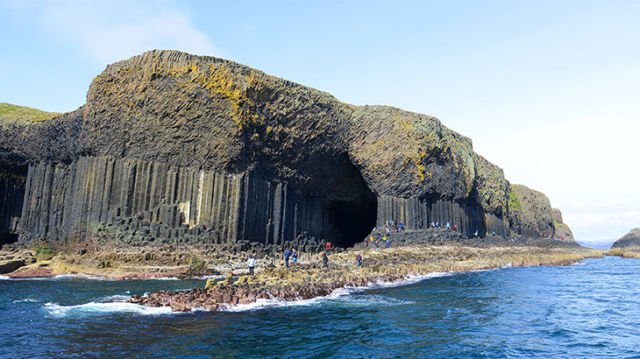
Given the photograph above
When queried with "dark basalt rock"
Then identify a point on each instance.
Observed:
(176, 148)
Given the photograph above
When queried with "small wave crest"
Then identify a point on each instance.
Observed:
(97, 308)
(26, 300)
(340, 295)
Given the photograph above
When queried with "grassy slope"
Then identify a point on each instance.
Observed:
(14, 113)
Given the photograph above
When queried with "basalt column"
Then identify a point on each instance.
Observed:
(417, 213)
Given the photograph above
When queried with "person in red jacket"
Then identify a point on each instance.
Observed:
(327, 246)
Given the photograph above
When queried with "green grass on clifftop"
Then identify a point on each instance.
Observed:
(14, 113)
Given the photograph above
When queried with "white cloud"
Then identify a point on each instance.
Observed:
(107, 31)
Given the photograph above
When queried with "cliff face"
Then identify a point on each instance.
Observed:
(172, 147)
(531, 215)
(631, 239)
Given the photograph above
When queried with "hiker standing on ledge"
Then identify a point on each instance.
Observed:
(325, 260)
(287, 255)
(327, 247)
(251, 263)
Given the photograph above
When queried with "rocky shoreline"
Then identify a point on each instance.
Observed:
(413, 253)
(391, 265)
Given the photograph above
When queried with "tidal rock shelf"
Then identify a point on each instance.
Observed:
(393, 265)
(173, 148)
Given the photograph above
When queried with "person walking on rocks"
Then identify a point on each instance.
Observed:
(327, 246)
(287, 256)
(251, 263)
(294, 258)
(325, 260)
(359, 260)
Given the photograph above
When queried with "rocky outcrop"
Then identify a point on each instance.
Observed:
(172, 147)
(562, 230)
(631, 239)
(531, 215)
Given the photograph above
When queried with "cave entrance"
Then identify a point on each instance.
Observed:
(8, 238)
(352, 221)
(12, 188)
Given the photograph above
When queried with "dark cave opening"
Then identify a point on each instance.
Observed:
(12, 188)
(352, 221)
(8, 238)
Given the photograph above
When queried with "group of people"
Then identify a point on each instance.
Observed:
(376, 238)
(290, 255)
(291, 258)
(453, 227)
(397, 226)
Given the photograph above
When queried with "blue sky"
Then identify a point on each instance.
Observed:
(548, 90)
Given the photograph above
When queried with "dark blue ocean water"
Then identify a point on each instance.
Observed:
(588, 310)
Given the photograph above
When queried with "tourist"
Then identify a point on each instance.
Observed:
(387, 243)
(475, 234)
(454, 227)
(327, 246)
(294, 258)
(251, 263)
(287, 255)
(401, 226)
(325, 260)
(433, 225)
(359, 260)
(448, 225)
(437, 224)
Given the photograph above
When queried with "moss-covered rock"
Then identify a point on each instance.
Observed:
(530, 212)
(405, 154)
(170, 112)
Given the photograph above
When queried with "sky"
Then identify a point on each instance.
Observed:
(548, 90)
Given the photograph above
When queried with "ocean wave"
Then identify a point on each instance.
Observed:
(4, 277)
(342, 295)
(161, 278)
(26, 300)
(81, 276)
(99, 308)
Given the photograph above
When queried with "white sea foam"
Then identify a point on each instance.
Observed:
(4, 277)
(26, 300)
(80, 276)
(163, 278)
(95, 308)
(340, 295)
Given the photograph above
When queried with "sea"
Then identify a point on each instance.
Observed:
(587, 310)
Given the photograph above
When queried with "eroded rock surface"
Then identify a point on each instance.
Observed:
(631, 239)
(176, 148)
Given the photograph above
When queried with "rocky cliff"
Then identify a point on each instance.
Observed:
(172, 147)
(631, 239)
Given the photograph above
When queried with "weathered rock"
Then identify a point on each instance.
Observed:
(183, 149)
(8, 266)
(530, 212)
(562, 230)
(631, 239)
